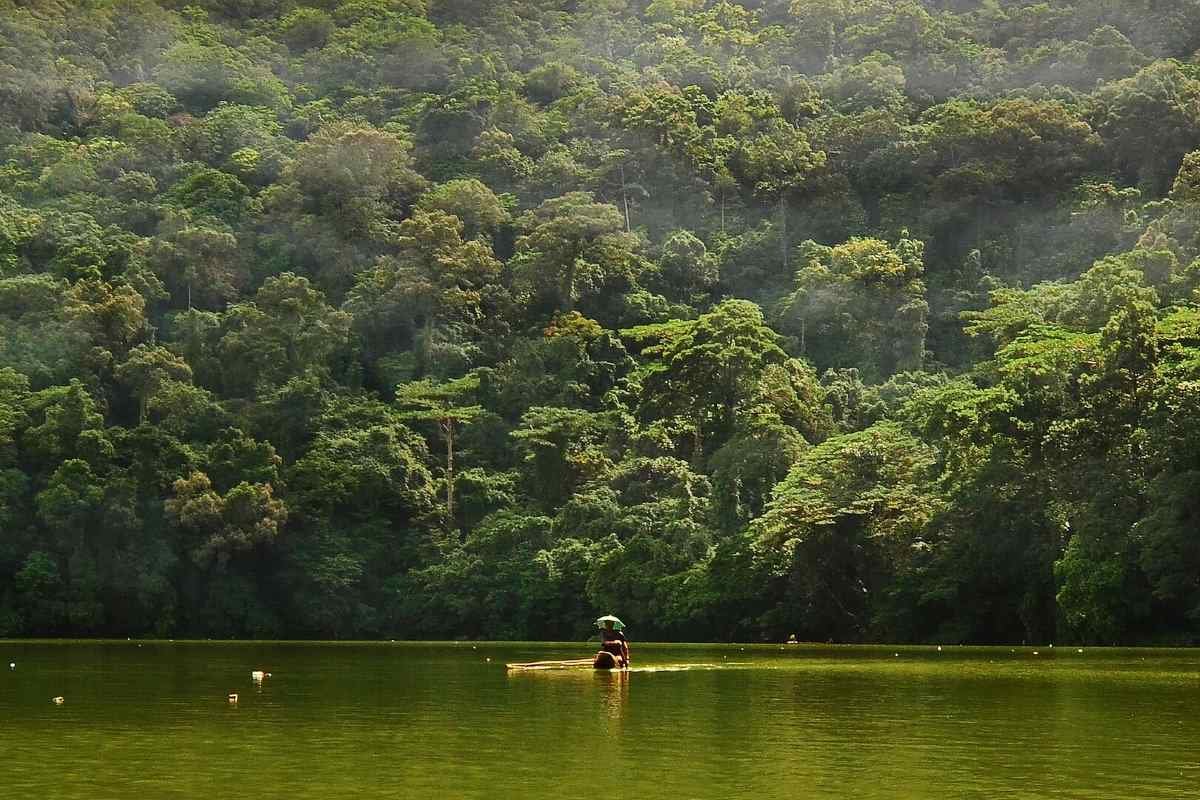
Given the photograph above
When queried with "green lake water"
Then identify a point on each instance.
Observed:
(151, 720)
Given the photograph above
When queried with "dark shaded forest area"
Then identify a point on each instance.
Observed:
(858, 320)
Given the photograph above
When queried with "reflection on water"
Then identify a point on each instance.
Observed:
(395, 720)
(615, 693)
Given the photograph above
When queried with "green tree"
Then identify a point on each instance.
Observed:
(709, 369)
(860, 303)
(145, 371)
(202, 74)
(1164, 92)
(447, 406)
(358, 175)
(570, 248)
(113, 317)
(685, 270)
(561, 448)
(840, 527)
(775, 165)
(471, 201)
(364, 499)
(18, 226)
(219, 527)
(436, 280)
(285, 331)
(198, 264)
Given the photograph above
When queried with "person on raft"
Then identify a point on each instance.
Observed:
(613, 641)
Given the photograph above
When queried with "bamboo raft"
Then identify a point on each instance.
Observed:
(573, 663)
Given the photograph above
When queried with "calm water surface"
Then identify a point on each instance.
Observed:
(151, 720)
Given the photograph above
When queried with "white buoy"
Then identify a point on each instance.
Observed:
(258, 675)
(939, 648)
(1080, 650)
(58, 701)
(12, 665)
(233, 698)
(1035, 652)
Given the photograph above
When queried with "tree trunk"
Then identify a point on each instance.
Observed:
(448, 433)
(427, 344)
(625, 200)
(784, 244)
(874, 213)
(566, 300)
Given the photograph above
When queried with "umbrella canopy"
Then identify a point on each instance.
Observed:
(617, 624)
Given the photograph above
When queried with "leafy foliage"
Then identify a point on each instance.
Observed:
(854, 320)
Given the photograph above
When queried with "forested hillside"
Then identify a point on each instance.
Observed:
(854, 319)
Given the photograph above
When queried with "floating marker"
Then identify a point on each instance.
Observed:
(233, 697)
(58, 701)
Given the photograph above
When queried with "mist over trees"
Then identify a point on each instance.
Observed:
(434, 318)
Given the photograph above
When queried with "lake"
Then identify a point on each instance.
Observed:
(406, 720)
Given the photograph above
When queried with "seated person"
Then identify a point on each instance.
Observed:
(613, 641)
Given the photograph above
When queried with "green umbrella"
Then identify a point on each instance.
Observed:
(610, 618)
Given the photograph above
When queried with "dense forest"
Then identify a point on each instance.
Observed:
(854, 319)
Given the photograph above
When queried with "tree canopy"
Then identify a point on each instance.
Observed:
(850, 320)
